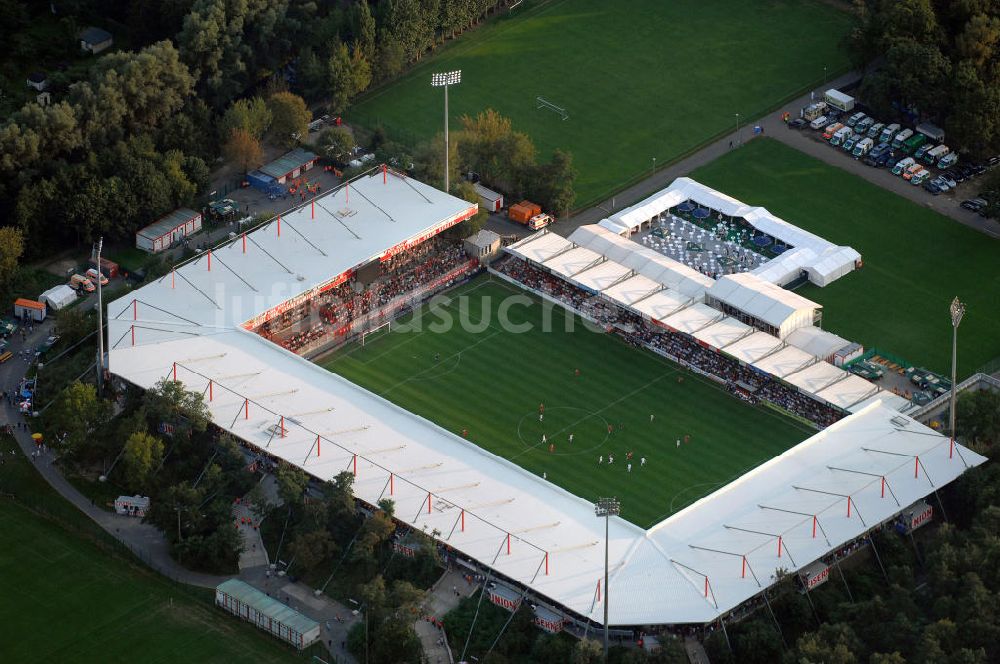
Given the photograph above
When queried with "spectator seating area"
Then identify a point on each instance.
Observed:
(747, 383)
(330, 316)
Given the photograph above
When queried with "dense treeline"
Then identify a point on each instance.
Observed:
(939, 59)
(134, 138)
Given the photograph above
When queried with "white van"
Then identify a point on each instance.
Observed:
(855, 119)
(841, 135)
(819, 122)
(862, 148)
(901, 138)
(888, 133)
(875, 130)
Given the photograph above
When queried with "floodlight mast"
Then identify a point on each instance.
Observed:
(957, 310)
(443, 80)
(606, 507)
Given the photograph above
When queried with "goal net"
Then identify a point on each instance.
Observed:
(386, 327)
(542, 102)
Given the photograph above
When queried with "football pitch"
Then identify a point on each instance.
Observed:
(915, 260)
(479, 375)
(639, 80)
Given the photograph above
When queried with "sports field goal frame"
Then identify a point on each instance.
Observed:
(542, 102)
(364, 335)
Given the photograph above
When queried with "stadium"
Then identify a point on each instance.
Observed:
(238, 322)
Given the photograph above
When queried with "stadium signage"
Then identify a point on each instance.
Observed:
(288, 305)
(428, 234)
(921, 518)
(502, 600)
(551, 626)
(818, 579)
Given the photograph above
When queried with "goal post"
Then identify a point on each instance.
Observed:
(387, 326)
(542, 102)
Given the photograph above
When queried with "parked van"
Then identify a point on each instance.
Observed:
(855, 119)
(832, 129)
(851, 141)
(863, 147)
(819, 122)
(863, 126)
(935, 155)
(93, 275)
(813, 111)
(888, 133)
(948, 161)
(875, 130)
(841, 135)
(902, 165)
(913, 143)
(922, 150)
(912, 170)
(901, 138)
(920, 176)
(79, 282)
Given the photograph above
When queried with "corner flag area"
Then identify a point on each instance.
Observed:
(455, 364)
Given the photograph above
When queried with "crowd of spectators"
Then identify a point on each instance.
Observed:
(331, 313)
(744, 381)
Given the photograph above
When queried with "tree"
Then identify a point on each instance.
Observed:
(254, 116)
(336, 143)
(552, 185)
(168, 401)
(11, 248)
(588, 651)
(76, 414)
(977, 418)
(365, 30)
(467, 191)
(243, 150)
(391, 56)
(311, 549)
(503, 157)
(348, 74)
(292, 483)
(290, 118)
(142, 455)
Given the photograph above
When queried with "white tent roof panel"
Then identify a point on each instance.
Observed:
(787, 360)
(540, 247)
(761, 299)
(662, 304)
(633, 289)
(816, 341)
(693, 318)
(725, 332)
(602, 276)
(817, 377)
(572, 262)
(750, 349)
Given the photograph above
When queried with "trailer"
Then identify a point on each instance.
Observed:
(839, 100)
(489, 199)
(163, 233)
(25, 309)
(931, 131)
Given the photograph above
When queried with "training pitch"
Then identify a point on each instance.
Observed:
(638, 80)
(915, 260)
(490, 381)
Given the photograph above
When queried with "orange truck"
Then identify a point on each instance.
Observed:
(526, 213)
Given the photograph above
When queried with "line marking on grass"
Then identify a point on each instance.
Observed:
(416, 375)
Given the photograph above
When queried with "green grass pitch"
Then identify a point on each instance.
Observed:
(68, 597)
(915, 260)
(491, 381)
(639, 79)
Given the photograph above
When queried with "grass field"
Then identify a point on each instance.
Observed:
(71, 594)
(639, 80)
(916, 260)
(491, 381)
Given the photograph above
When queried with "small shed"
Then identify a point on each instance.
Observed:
(246, 602)
(290, 165)
(489, 199)
(38, 80)
(163, 232)
(934, 133)
(25, 309)
(58, 297)
(94, 40)
(132, 505)
(484, 245)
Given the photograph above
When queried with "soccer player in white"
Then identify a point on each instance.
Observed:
(544, 440)
(600, 460)
(571, 438)
(611, 459)
(642, 461)
(651, 416)
(629, 468)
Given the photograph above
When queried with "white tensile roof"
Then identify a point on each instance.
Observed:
(823, 260)
(633, 289)
(658, 576)
(816, 341)
(751, 348)
(786, 361)
(723, 333)
(696, 317)
(761, 299)
(541, 246)
(189, 326)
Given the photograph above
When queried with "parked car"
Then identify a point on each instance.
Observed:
(940, 182)
(850, 142)
(863, 147)
(855, 119)
(974, 204)
(797, 123)
(885, 159)
(833, 129)
(948, 161)
(901, 138)
(819, 122)
(978, 168)
(912, 170)
(993, 161)
(933, 187)
(889, 133)
(920, 176)
(922, 150)
(902, 165)
(93, 275)
(78, 282)
(841, 135)
(863, 126)
(875, 130)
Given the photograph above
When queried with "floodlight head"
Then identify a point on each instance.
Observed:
(957, 311)
(446, 78)
(607, 507)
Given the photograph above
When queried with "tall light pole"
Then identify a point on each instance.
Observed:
(443, 80)
(100, 322)
(606, 507)
(957, 311)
